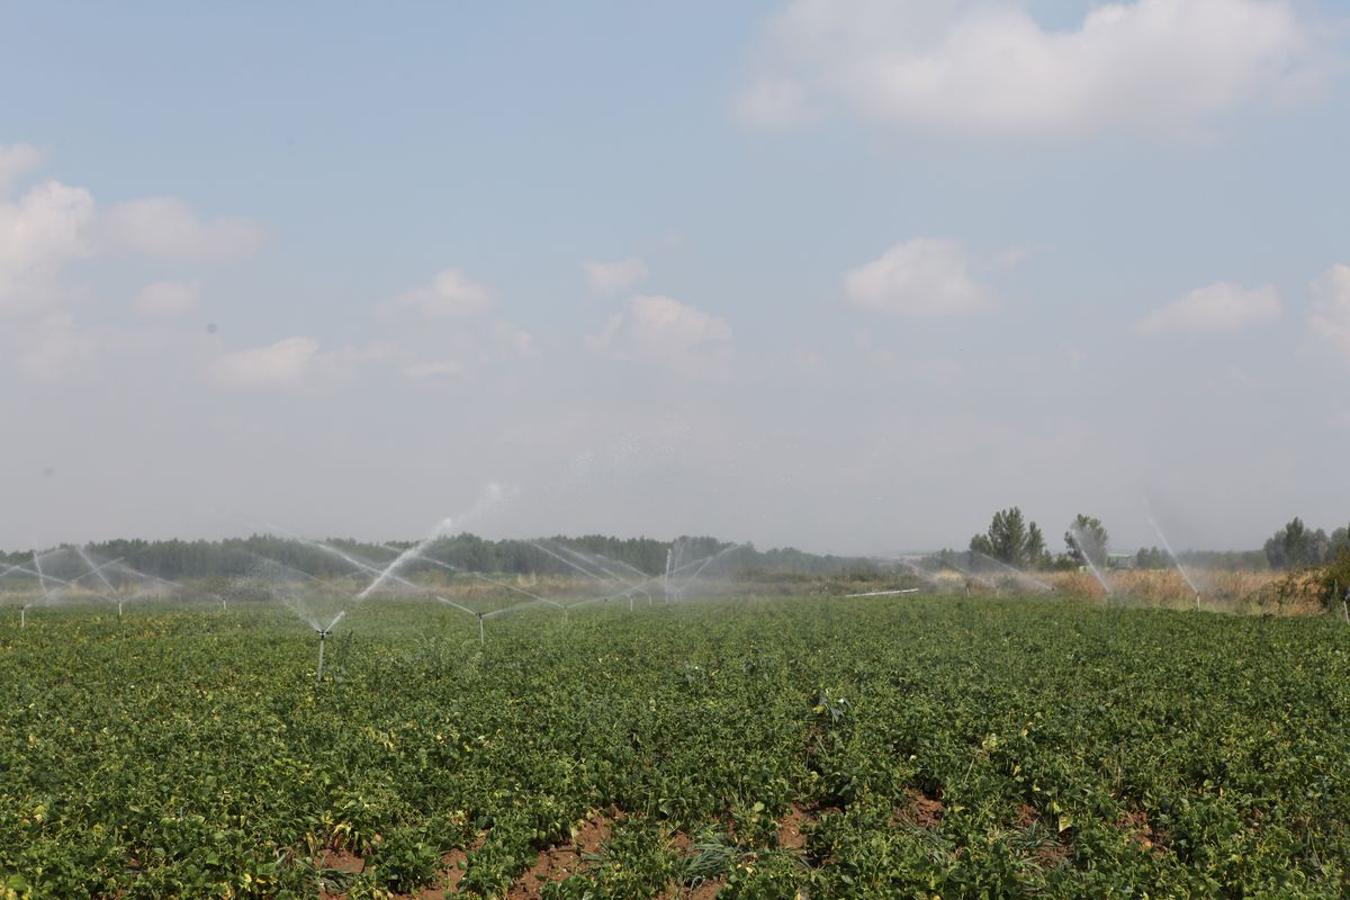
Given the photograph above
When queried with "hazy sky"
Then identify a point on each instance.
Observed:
(843, 274)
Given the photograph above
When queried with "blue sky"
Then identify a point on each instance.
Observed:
(843, 275)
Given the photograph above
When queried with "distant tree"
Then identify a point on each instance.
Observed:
(1295, 546)
(1010, 539)
(1087, 540)
(1038, 557)
(1151, 558)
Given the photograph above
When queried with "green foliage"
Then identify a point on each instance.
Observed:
(1087, 540)
(1294, 546)
(1334, 583)
(927, 747)
(1011, 540)
(237, 557)
(1152, 558)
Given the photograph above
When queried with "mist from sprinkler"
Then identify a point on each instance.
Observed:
(1176, 561)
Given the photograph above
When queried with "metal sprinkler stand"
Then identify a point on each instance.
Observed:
(323, 639)
(481, 639)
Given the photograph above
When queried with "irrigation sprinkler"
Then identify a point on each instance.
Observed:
(481, 577)
(482, 640)
(323, 639)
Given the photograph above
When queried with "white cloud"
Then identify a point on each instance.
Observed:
(445, 368)
(922, 277)
(54, 349)
(613, 277)
(515, 341)
(1217, 308)
(665, 331)
(285, 365)
(986, 68)
(167, 298)
(39, 233)
(294, 364)
(166, 227)
(1331, 313)
(15, 160)
(450, 295)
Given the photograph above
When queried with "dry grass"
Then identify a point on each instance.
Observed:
(1240, 592)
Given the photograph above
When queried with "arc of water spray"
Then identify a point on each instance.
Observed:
(405, 556)
(701, 565)
(1087, 557)
(599, 560)
(1016, 573)
(969, 573)
(481, 577)
(97, 570)
(582, 570)
(385, 573)
(1176, 561)
(909, 564)
(42, 579)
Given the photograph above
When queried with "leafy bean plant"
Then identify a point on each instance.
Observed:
(762, 748)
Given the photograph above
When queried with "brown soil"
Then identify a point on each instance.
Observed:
(1027, 816)
(684, 846)
(1052, 854)
(1141, 830)
(562, 860)
(790, 830)
(342, 861)
(705, 891)
(923, 810)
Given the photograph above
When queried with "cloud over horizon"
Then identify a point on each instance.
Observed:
(924, 277)
(1215, 309)
(451, 294)
(658, 329)
(167, 228)
(1154, 67)
(614, 277)
(1330, 318)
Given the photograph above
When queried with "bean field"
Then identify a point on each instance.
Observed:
(818, 747)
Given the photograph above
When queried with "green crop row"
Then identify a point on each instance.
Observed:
(917, 746)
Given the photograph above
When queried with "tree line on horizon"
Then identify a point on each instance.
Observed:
(1013, 540)
(176, 559)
